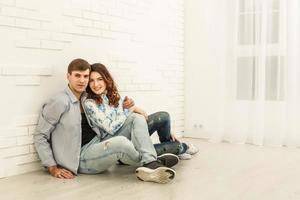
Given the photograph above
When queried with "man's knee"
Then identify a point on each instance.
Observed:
(165, 116)
(161, 117)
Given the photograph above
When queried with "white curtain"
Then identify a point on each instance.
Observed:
(260, 74)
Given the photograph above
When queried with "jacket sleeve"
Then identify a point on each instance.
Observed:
(102, 119)
(126, 111)
(49, 117)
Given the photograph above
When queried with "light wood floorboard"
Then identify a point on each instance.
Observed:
(219, 171)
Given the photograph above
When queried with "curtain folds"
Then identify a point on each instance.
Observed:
(260, 74)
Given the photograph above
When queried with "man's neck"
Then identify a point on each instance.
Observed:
(77, 94)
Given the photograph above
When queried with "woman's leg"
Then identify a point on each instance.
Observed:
(97, 156)
(135, 129)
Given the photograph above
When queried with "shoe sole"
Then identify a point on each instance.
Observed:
(170, 154)
(158, 175)
(185, 157)
(192, 152)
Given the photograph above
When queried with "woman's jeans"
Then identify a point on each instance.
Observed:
(131, 145)
(160, 122)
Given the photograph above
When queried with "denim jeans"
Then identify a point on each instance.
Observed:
(135, 129)
(97, 156)
(131, 145)
(160, 122)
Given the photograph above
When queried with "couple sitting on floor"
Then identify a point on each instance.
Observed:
(88, 127)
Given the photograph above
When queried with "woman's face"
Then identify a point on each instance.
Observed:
(97, 83)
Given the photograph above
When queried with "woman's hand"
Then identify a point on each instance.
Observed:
(144, 114)
(128, 103)
(139, 111)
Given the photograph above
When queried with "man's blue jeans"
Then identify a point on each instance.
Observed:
(160, 122)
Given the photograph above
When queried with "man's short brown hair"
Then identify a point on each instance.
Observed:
(78, 65)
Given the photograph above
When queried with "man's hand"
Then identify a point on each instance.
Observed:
(174, 138)
(59, 172)
(128, 103)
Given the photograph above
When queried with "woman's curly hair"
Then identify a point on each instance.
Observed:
(111, 88)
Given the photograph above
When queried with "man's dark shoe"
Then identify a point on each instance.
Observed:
(121, 163)
(156, 172)
(168, 159)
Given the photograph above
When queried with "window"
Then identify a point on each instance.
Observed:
(260, 66)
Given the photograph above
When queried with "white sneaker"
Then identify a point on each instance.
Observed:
(192, 149)
(155, 172)
(184, 156)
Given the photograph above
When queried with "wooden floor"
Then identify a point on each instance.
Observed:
(219, 171)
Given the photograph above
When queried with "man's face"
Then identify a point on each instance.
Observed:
(78, 80)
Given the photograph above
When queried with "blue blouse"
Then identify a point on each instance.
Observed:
(106, 117)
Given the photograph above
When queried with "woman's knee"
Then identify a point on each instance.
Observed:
(119, 143)
(138, 118)
(116, 141)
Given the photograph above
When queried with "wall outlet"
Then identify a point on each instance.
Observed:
(197, 126)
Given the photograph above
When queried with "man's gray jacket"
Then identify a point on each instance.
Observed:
(57, 137)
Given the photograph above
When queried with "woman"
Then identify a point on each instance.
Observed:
(158, 122)
(103, 109)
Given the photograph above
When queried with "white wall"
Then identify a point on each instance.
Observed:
(205, 48)
(141, 41)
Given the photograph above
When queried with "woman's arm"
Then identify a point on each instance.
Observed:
(102, 118)
(139, 111)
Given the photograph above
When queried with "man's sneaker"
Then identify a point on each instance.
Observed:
(192, 149)
(121, 163)
(185, 156)
(155, 172)
(168, 159)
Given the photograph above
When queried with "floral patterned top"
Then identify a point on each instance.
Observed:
(106, 117)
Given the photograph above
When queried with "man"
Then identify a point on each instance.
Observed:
(59, 133)
(160, 122)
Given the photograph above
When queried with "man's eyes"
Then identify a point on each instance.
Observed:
(78, 76)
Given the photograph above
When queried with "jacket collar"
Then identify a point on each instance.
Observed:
(71, 94)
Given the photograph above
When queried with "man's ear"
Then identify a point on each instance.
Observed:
(68, 75)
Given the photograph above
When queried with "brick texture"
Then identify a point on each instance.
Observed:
(140, 41)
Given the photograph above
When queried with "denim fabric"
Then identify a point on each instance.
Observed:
(135, 129)
(167, 147)
(160, 122)
(57, 137)
(105, 116)
(96, 156)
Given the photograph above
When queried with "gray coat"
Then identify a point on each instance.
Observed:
(57, 137)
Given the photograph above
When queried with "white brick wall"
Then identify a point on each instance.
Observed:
(140, 41)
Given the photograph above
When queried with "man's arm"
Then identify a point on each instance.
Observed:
(49, 117)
